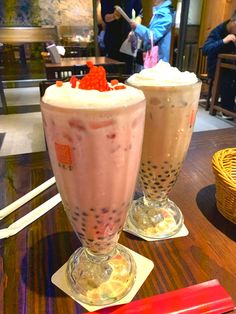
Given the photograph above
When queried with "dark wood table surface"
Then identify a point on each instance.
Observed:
(28, 259)
(224, 61)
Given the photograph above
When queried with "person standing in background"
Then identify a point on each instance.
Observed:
(222, 39)
(101, 30)
(160, 25)
(117, 28)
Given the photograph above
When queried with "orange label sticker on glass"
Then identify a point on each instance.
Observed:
(192, 118)
(63, 153)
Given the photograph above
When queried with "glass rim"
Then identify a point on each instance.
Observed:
(198, 82)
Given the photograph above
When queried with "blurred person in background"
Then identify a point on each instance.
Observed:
(117, 28)
(160, 25)
(101, 30)
(222, 39)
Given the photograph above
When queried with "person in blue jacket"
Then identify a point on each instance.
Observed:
(117, 28)
(222, 39)
(160, 25)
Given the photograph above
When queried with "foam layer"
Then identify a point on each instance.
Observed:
(162, 74)
(68, 97)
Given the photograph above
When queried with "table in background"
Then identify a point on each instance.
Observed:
(224, 61)
(73, 66)
(28, 259)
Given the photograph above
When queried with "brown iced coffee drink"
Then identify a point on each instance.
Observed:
(172, 100)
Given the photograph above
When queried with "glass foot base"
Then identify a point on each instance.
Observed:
(101, 279)
(155, 221)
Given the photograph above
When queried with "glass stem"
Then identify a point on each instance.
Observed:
(155, 203)
(99, 258)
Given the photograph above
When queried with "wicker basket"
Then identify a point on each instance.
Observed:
(224, 168)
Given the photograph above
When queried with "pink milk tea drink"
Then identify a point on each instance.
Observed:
(94, 140)
(172, 101)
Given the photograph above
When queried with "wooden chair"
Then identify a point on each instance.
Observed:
(201, 72)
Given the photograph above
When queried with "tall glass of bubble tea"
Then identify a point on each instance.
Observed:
(172, 101)
(94, 132)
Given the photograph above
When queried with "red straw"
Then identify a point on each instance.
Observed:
(207, 297)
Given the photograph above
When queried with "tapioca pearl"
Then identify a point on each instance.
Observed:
(163, 180)
(127, 148)
(83, 229)
(110, 218)
(114, 211)
(111, 136)
(97, 216)
(117, 221)
(77, 213)
(84, 214)
(75, 218)
(99, 222)
(104, 210)
(83, 224)
(172, 106)
(100, 238)
(154, 166)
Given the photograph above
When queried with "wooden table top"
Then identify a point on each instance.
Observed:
(67, 62)
(28, 259)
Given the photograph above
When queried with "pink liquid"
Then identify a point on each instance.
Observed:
(95, 156)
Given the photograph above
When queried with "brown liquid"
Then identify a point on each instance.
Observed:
(170, 116)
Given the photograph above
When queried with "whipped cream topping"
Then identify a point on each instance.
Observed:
(68, 97)
(162, 74)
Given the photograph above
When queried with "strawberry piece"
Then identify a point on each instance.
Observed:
(120, 87)
(114, 82)
(59, 83)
